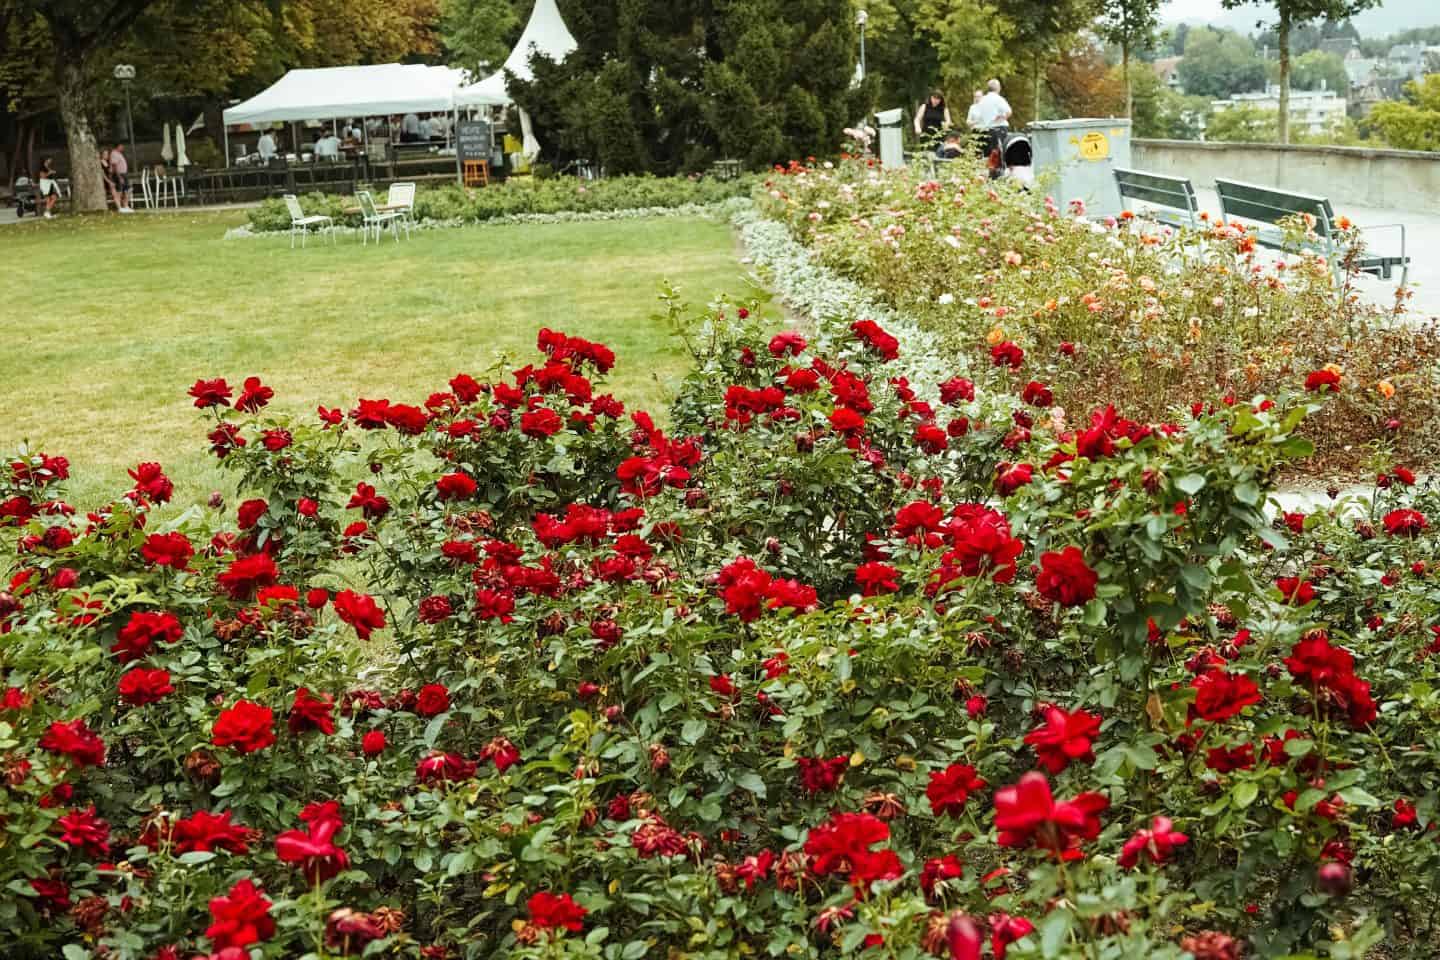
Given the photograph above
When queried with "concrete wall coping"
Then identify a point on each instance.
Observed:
(1359, 153)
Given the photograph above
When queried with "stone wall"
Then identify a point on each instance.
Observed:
(1393, 179)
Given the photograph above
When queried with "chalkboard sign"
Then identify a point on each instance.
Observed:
(472, 140)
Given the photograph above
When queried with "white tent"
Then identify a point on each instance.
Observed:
(330, 93)
(546, 34)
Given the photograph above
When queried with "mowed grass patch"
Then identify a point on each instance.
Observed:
(120, 315)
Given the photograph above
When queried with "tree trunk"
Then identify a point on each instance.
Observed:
(215, 125)
(1129, 90)
(1035, 112)
(1284, 40)
(87, 190)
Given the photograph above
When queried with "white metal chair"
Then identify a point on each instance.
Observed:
(401, 200)
(165, 189)
(374, 219)
(144, 196)
(300, 223)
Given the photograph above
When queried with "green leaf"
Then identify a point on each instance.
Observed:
(73, 951)
(1358, 796)
(752, 783)
(1247, 493)
(1244, 793)
(433, 728)
(693, 730)
(1190, 483)
(1053, 932)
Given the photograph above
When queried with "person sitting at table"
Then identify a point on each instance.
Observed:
(327, 147)
(409, 128)
(266, 147)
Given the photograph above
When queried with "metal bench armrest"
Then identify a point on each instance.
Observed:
(1389, 226)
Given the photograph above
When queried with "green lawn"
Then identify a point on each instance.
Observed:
(116, 317)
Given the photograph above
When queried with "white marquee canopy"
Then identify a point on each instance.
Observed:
(328, 93)
(545, 34)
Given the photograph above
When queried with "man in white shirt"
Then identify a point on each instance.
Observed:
(993, 110)
(266, 147)
(972, 119)
(327, 147)
(410, 127)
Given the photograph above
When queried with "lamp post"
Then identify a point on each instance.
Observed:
(125, 73)
(860, 18)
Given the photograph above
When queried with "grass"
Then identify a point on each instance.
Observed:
(116, 317)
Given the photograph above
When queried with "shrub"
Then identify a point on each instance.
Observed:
(1122, 311)
(522, 197)
(838, 662)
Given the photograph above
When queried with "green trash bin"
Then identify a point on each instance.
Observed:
(1083, 153)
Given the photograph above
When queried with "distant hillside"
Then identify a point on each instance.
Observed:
(1391, 17)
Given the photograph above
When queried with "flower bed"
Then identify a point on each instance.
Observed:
(523, 198)
(1122, 311)
(842, 663)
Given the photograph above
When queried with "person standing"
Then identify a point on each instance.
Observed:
(108, 178)
(266, 147)
(932, 118)
(972, 119)
(993, 117)
(49, 189)
(410, 128)
(120, 173)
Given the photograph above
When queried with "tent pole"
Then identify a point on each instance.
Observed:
(225, 135)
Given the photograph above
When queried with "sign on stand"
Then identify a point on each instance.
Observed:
(472, 142)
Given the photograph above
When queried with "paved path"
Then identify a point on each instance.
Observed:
(7, 211)
(1423, 244)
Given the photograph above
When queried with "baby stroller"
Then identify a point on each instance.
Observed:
(27, 197)
(1011, 157)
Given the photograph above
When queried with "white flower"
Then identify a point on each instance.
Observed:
(945, 299)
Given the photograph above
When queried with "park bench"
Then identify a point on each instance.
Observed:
(1270, 206)
(1173, 196)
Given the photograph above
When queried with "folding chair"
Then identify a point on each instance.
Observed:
(301, 223)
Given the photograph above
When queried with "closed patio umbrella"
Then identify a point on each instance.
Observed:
(166, 153)
(181, 160)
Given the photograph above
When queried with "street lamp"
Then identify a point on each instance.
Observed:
(125, 73)
(860, 18)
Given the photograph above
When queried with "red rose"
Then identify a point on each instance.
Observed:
(310, 712)
(248, 574)
(144, 630)
(444, 768)
(949, 789)
(306, 507)
(433, 699)
(821, 776)
(211, 393)
(83, 828)
(360, 611)
(316, 598)
(1405, 523)
(1220, 695)
(406, 418)
(930, 438)
(140, 686)
(1007, 354)
(167, 550)
(501, 752)
(314, 848)
(1156, 844)
(876, 578)
(1064, 737)
(1010, 477)
(151, 483)
(240, 917)
(541, 423)
(1327, 381)
(846, 421)
(550, 912)
(1005, 930)
(455, 486)
(373, 743)
(1065, 578)
(787, 342)
(1026, 814)
(955, 390)
(963, 937)
(1295, 591)
(371, 504)
(253, 396)
(76, 741)
(1037, 394)
(250, 513)
(876, 339)
(435, 609)
(247, 727)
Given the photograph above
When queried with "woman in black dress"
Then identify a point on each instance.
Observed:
(932, 119)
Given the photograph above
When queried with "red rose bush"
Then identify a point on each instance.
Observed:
(801, 668)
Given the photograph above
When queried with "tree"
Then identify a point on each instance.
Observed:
(79, 30)
(1219, 63)
(1130, 25)
(1412, 124)
(479, 34)
(1318, 70)
(1295, 13)
(1242, 124)
(1082, 84)
(1040, 26)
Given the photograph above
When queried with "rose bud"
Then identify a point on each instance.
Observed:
(1334, 878)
